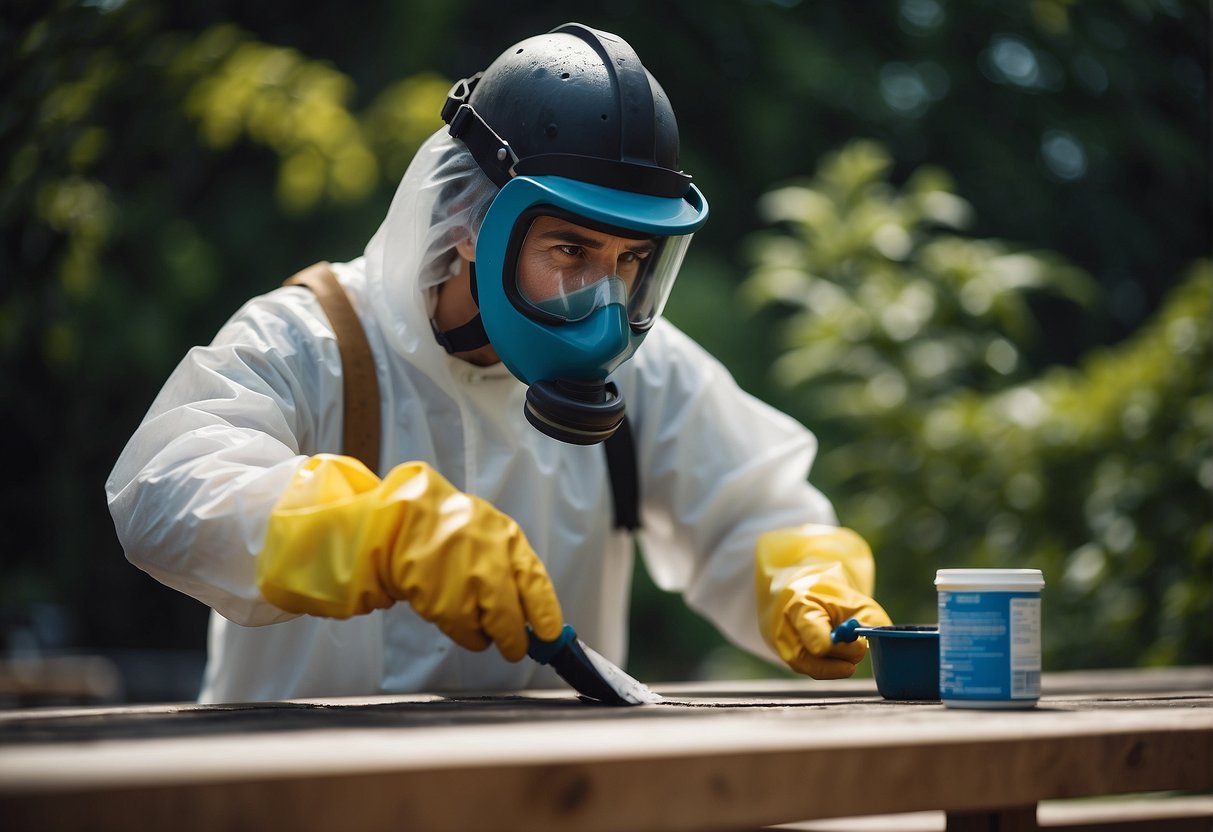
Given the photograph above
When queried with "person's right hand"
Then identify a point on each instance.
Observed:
(342, 542)
(809, 580)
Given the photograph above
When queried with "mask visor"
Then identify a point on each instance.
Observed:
(580, 303)
(567, 267)
(649, 295)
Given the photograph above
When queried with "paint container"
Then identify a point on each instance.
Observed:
(989, 637)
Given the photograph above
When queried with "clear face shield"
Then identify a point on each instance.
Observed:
(567, 267)
(570, 276)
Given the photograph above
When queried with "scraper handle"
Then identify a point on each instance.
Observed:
(543, 651)
(845, 632)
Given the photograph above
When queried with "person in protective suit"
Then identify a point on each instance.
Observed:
(512, 305)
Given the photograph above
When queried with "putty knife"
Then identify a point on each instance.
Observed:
(587, 672)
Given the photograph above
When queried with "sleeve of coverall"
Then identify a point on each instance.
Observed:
(192, 492)
(719, 468)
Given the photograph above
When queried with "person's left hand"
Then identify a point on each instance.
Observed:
(809, 580)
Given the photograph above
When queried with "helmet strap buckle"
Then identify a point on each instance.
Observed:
(492, 153)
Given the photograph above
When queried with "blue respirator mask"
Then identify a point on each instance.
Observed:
(578, 252)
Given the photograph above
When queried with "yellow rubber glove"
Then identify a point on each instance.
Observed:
(809, 580)
(341, 542)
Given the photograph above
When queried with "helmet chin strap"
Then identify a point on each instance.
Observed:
(469, 336)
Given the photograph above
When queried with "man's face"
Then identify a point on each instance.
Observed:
(560, 258)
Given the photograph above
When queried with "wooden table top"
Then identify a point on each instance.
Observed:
(712, 756)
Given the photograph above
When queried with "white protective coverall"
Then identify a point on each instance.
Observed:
(192, 493)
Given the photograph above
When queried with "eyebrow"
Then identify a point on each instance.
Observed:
(574, 238)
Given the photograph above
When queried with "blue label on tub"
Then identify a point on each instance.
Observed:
(989, 645)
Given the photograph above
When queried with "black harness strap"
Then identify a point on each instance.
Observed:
(625, 484)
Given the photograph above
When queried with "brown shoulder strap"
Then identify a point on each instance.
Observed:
(360, 385)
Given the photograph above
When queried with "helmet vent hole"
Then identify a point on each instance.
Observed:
(519, 52)
(603, 116)
(564, 76)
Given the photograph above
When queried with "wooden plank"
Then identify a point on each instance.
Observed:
(1082, 683)
(585, 734)
(1159, 814)
(930, 821)
(57, 679)
(693, 764)
(313, 785)
(1148, 814)
(1087, 683)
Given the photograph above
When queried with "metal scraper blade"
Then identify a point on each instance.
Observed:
(588, 672)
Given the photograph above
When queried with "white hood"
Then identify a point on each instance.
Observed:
(441, 201)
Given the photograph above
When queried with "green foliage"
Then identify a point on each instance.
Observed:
(239, 88)
(899, 309)
(87, 183)
(137, 213)
(161, 162)
(907, 343)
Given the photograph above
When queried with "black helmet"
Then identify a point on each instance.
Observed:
(575, 102)
(578, 137)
